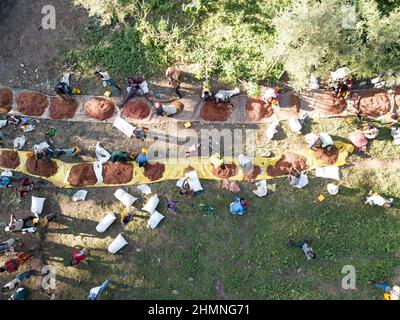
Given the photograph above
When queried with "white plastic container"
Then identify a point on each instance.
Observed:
(118, 243)
(151, 204)
(126, 198)
(37, 205)
(154, 220)
(332, 188)
(295, 125)
(106, 222)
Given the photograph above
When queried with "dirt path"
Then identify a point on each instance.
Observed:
(369, 164)
(38, 50)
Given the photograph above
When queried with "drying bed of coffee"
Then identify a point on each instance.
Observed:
(9, 159)
(32, 103)
(62, 109)
(328, 103)
(117, 173)
(327, 156)
(82, 175)
(213, 111)
(374, 104)
(228, 170)
(6, 99)
(42, 167)
(136, 109)
(252, 174)
(286, 163)
(154, 171)
(258, 109)
(99, 108)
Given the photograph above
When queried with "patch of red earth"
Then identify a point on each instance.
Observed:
(329, 157)
(82, 175)
(99, 108)
(229, 170)
(32, 103)
(136, 109)
(285, 164)
(329, 103)
(9, 159)
(6, 99)
(252, 174)
(117, 173)
(213, 111)
(43, 168)
(257, 109)
(374, 104)
(154, 171)
(61, 109)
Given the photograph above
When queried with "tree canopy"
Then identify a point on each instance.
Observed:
(246, 40)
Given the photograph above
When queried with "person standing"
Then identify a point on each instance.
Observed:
(173, 75)
(105, 77)
(133, 89)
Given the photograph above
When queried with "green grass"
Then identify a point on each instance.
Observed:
(247, 253)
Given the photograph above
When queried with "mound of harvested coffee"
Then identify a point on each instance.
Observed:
(43, 168)
(99, 108)
(154, 171)
(257, 109)
(213, 111)
(285, 164)
(252, 174)
(228, 170)
(82, 175)
(328, 103)
(61, 109)
(329, 157)
(9, 159)
(374, 104)
(32, 103)
(117, 173)
(6, 99)
(136, 109)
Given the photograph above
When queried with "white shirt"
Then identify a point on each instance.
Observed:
(105, 75)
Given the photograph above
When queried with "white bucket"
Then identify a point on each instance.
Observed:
(332, 188)
(295, 125)
(106, 222)
(151, 204)
(37, 205)
(118, 243)
(125, 197)
(154, 220)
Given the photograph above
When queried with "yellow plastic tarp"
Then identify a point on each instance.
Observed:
(176, 170)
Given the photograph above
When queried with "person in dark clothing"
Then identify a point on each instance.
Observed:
(306, 247)
(133, 89)
(120, 156)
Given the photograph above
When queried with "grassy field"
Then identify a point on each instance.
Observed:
(222, 256)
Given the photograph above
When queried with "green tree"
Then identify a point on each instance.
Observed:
(315, 37)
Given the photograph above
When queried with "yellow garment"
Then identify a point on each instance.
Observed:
(386, 296)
